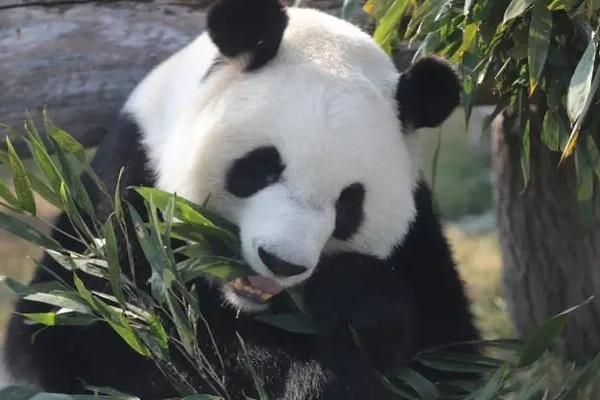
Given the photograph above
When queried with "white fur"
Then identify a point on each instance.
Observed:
(326, 102)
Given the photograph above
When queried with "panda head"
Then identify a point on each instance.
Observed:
(302, 134)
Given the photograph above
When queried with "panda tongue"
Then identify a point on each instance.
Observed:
(265, 285)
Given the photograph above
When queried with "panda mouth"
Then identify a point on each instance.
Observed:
(255, 288)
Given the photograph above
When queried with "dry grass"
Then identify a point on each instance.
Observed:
(478, 258)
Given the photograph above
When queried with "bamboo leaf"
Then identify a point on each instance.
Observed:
(60, 299)
(162, 277)
(112, 258)
(7, 195)
(44, 162)
(128, 335)
(387, 24)
(221, 270)
(17, 288)
(68, 143)
(59, 318)
(27, 232)
(493, 386)
(423, 386)
(551, 131)
(574, 136)
(515, 9)
(540, 29)
(593, 155)
(587, 375)
(28, 393)
(20, 180)
(526, 153)
(545, 336)
(44, 190)
(581, 82)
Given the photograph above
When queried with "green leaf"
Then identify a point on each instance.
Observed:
(540, 29)
(20, 180)
(423, 386)
(551, 131)
(545, 336)
(68, 143)
(7, 195)
(27, 232)
(387, 25)
(222, 270)
(18, 393)
(112, 258)
(111, 392)
(292, 322)
(533, 391)
(401, 393)
(184, 210)
(162, 276)
(158, 331)
(443, 364)
(59, 319)
(587, 376)
(526, 153)
(515, 9)
(44, 162)
(493, 385)
(16, 287)
(593, 155)
(581, 82)
(28, 393)
(585, 175)
(124, 330)
(44, 190)
(202, 397)
(60, 299)
(70, 208)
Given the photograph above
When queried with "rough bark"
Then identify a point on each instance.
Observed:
(550, 254)
(81, 58)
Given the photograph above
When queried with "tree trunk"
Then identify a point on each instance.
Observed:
(81, 58)
(551, 255)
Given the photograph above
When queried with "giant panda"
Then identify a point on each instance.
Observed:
(304, 135)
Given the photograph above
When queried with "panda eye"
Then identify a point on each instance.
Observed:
(256, 170)
(349, 213)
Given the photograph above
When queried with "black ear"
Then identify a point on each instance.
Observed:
(251, 28)
(427, 93)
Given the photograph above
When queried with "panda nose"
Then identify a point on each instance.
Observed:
(279, 266)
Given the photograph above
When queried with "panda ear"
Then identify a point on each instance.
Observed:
(427, 93)
(249, 28)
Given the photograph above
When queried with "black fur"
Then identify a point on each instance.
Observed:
(256, 170)
(411, 301)
(349, 213)
(248, 27)
(427, 93)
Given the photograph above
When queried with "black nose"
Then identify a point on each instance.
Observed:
(279, 266)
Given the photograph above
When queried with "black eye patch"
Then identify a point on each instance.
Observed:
(255, 171)
(349, 213)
